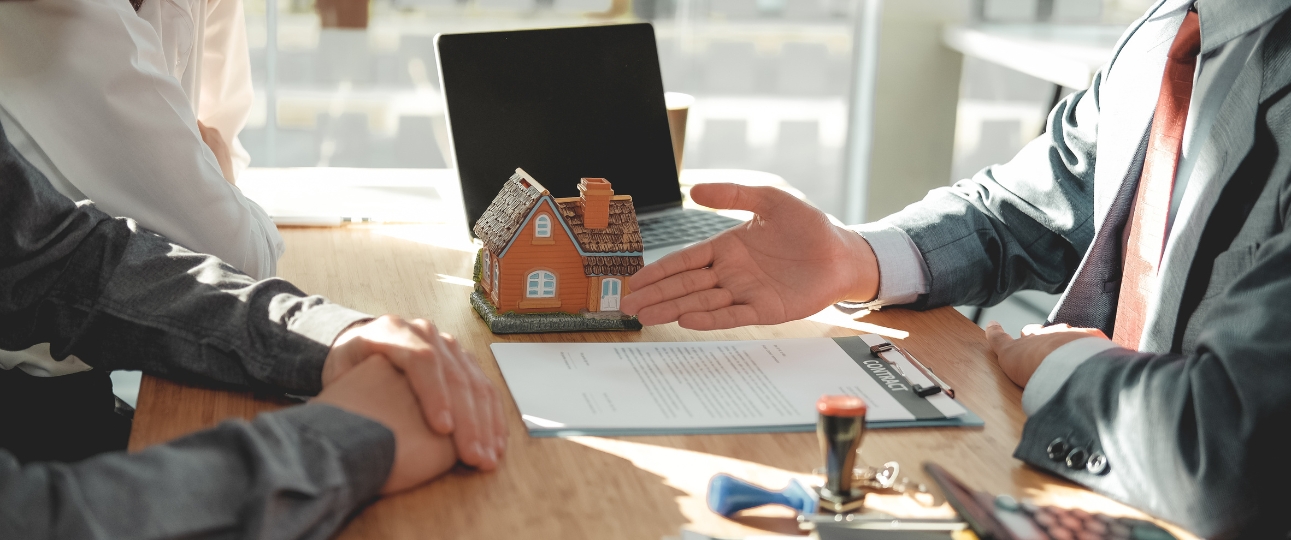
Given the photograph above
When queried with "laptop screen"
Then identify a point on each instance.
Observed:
(562, 104)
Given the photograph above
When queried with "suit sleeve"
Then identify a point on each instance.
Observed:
(1195, 438)
(1020, 225)
(295, 473)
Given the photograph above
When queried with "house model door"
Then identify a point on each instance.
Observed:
(610, 294)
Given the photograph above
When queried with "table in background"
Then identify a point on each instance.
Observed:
(1065, 55)
(621, 487)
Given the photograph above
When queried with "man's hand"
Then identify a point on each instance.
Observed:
(1020, 357)
(787, 263)
(375, 390)
(454, 394)
(223, 155)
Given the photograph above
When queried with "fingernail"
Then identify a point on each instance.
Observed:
(993, 323)
(493, 455)
(445, 419)
(478, 449)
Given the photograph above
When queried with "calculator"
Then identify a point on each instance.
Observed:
(1005, 518)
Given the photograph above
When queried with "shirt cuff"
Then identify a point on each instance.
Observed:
(365, 448)
(320, 322)
(901, 267)
(1056, 368)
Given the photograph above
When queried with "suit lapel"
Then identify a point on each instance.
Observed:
(1242, 168)
(1127, 97)
(1230, 138)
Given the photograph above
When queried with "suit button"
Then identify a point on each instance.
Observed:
(1058, 449)
(1077, 458)
(1097, 463)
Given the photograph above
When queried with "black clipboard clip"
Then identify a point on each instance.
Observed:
(920, 390)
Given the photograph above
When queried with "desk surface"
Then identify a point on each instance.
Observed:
(628, 487)
(1066, 55)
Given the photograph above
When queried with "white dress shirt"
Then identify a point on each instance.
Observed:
(903, 274)
(105, 102)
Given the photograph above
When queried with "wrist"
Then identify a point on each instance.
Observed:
(862, 268)
(1045, 345)
(336, 364)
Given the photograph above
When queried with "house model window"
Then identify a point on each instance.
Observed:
(542, 226)
(497, 271)
(488, 267)
(542, 284)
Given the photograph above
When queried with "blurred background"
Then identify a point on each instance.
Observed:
(863, 105)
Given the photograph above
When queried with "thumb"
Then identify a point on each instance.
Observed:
(996, 335)
(760, 200)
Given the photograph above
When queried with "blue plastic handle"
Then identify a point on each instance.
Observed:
(728, 495)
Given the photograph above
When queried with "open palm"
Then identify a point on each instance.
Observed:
(786, 263)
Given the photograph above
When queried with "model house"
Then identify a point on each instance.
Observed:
(544, 254)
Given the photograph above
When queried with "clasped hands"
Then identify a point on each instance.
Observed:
(421, 384)
(787, 263)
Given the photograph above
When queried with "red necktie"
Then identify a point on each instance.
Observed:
(1147, 226)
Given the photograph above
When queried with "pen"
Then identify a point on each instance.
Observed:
(919, 389)
(853, 521)
(927, 372)
(317, 221)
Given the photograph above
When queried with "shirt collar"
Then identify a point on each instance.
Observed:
(1224, 20)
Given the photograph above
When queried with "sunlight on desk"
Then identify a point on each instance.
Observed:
(689, 471)
(454, 280)
(832, 316)
(541, 422)
(443, 236)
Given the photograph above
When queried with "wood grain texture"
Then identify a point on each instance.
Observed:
(628, 487)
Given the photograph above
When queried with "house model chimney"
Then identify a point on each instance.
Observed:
(595, 194)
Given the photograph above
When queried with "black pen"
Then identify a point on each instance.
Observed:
(927, 372)
(921, 390)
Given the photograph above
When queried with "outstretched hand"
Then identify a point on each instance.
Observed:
(787, 263)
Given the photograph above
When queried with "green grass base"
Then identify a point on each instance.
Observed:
(534, 323)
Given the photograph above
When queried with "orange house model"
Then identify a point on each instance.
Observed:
(544, 254)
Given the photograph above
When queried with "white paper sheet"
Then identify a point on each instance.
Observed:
(700, 387)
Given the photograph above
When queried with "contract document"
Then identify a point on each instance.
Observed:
(565, 389)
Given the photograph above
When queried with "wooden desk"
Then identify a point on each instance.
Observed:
(631, 487)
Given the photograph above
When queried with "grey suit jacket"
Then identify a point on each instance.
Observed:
(122, 298)
(1188, 428)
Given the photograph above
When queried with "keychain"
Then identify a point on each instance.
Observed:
(840, 499)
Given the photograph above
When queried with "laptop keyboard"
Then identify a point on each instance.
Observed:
(682, 227)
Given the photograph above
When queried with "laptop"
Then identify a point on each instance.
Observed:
(563, 104)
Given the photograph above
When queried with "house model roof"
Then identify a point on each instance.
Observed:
(508, 211)
(614, 250)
